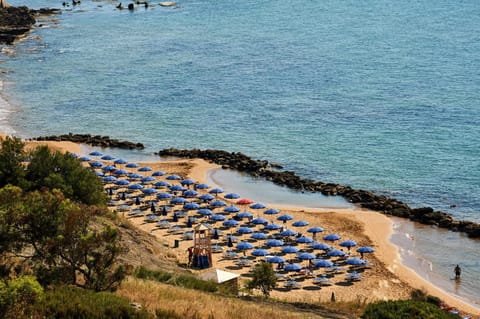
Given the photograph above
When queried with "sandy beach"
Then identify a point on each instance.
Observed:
(386, 279)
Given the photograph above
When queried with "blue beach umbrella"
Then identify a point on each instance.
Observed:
(135, 176)
(217, 218)
(190, 193)
(332, 237)
(244, 230)
(230, 223)
(178, 201)
(206, 197)
(74, 155)
(147, 179)
(259, 221)
(109, 179)
(191, 206)
(149, 191)
(120, 172)
(158, 173)
(109, 168)
(218, 203)
(272, 227)
(202, 186)
(107, 157)
(161, 184)
(355, 261)
(306, 256)
(122, 182)
(244, 215)
(95, 153)
(205, 212)
(173, 177)
(187, 181)
(164, 195)
(365, 249)
(285, 217)
(292, 267)
(145, 169)
(216, 191)
(231, 209)
(120, 161)
(274, 243)
(259, 235)
(176, 188)
(257, 206)
(275, 260)
(314, 230)
(99, 173)
(232, 196)
(290, 250)
(288, 233)
(300, 223)
(135, 186)
(323, 263)
(335, 253)
(348, 244)
(260, 252)
(271, 211)
(321, 246)
(95, 164)
(304, 240)
(243, 245)
(132, 165)
(84, 159)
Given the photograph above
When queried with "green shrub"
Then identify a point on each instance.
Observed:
(405, 309)
(18, 295)
(185, 281)
(167, 314)
(75, 303)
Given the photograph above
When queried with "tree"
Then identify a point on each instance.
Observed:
(12, 154)
(4, 4)
(263, 278)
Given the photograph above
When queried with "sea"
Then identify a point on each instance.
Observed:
(378, 95)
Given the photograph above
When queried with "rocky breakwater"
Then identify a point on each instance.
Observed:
(17, 21)
(93, 140)
(364, 198)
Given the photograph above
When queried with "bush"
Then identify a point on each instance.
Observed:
(70, 302)
(185, 281)
(405, 309)
(18, 295)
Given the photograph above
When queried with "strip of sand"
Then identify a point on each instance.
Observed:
(388, 279)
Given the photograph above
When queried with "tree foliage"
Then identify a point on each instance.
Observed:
(17, 297)
(263, 278)
(406, 309)
(12, 155)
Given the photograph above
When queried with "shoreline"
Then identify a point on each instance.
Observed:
(377, 227)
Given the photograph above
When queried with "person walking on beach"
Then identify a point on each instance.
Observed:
(458, 272)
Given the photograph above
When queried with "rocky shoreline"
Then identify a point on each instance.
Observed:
(15, 22)
(366, 199)
(93, 140)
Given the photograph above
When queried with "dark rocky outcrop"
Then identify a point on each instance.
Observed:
(94, 140)
(363, 198)
(17, 21)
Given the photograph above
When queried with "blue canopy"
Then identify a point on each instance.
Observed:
(290, 250)
(257, 206)
(135, 176)
(206, 197)
(191, 206)
(285, 217)
(205, 212)
(259, 235)
(149, 191)
(274, 243)
(178, 200)
(244, 230)
(218, 203)
(145, 169)
(109, 179)
(271, 211)
(109, 168)
(217, 217)
(107, 157)
(122, 182)
(316, 229)
(147, 179)
(161, 184)
(120, 172)
(260, 252)
(300, 223)
(332, 237)
(84, 159)
(120, 161)
(348, 243)
(304, 240)
(232, 196)
(231, 209)
(173, 177)
(99, 173)
(95, 164)
(95, 153)
(336, 253)
(132, 165)
(306, 256)
(176, 188)
(158, 173)
(322, 263)
(216, 191)
(164, 195)
(187, 181)
(276, 260)
(230, 223)
(202, 186)
(190, 193)
(244, 215)
(244, 245)
(365, 249)
(321, 246)
(292, 267)
(259, 221)
(273, 227)
(135, 186)
(288, 233)
(355, 261)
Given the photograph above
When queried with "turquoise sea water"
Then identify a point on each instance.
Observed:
(379, 95)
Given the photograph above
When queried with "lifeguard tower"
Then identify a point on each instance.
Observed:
(202, 247)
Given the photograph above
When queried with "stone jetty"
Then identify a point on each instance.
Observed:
(364, 198)
(93, 140)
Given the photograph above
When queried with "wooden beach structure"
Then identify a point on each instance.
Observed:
(202, 247)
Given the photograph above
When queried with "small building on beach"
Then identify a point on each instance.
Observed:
(227, 281)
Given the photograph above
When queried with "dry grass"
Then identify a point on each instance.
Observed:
(189, 303)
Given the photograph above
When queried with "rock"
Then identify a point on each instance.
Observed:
(97, 140)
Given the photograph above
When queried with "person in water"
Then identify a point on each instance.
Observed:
(458, 271)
